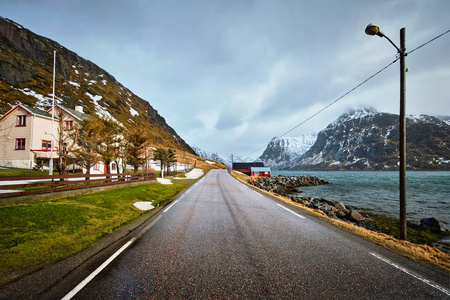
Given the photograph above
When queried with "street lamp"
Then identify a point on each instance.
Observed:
(373, 29)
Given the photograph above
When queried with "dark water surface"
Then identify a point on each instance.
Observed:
(427, 192)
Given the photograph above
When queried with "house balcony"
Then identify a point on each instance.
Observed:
(44, 154)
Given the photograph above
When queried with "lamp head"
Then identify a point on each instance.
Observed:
(373, 29)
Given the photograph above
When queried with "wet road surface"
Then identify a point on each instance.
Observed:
(221, 239)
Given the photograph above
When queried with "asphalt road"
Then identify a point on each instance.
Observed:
(221, 239)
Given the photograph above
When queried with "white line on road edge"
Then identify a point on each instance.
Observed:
(300, 216)
(97, 271)
(170, 206)
(82, 284)
(257, 193)
(430, 283)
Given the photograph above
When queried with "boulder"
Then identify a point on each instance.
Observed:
(433, 223)
(340, 214)
(356, 216)
(340, 206)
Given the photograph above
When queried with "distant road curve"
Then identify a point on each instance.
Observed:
(222, 239)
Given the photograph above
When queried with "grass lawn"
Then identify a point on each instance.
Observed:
(36, 233)
(23, 172)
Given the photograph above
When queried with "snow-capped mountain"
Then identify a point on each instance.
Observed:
(228, 160)
(367, 139)
(282, 153)
(208, 155)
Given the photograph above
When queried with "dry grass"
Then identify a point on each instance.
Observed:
(419, 253)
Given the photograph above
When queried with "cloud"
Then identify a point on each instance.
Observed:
(230, 75)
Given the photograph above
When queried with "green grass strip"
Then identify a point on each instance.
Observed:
(34, 234)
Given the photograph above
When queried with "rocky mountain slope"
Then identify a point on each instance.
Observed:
(367, 139)
(282, 153)
(26, 72)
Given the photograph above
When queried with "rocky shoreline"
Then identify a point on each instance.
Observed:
(287, 186)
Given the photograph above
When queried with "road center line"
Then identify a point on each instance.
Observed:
(298, 215)
(170, 206)
(430, 283)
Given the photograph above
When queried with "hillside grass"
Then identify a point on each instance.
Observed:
(37, 233)
(420, 252)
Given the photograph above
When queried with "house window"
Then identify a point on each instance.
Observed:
(113, 167)
(68, 125)
(21, 120)
(20, 144)
(46, 145)
(96, 167)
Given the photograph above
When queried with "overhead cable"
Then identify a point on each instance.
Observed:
(344, 95)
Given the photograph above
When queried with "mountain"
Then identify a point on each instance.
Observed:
(26, 75)
(281, 153)
(226, 161)
(367, 139)
(208, 155)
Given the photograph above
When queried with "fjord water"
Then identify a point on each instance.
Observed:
(427, 192)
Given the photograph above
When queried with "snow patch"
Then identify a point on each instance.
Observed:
(95, 98)
(144, 205)
(100, 109)
(133, 112)
(74, 83)
(164, 181)
(194, 174)
(43, 101)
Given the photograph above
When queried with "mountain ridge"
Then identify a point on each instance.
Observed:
(368, 140)
(282, 152)
(26, 72)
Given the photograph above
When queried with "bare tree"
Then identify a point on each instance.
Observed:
(89, 140)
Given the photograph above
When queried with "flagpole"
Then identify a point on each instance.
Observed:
(50, 171)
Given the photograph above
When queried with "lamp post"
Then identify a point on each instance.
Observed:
(373, 29)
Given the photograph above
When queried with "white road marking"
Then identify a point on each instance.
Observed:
(300, 216)
(82, 284)
(170, 206)
(430, 283)
(257, 193)
(97, 271)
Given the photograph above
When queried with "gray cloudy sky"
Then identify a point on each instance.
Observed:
(228, 75)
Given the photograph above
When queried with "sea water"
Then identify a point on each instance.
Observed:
(427, 192)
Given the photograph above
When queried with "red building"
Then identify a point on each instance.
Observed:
(252, 169)
(260, 171)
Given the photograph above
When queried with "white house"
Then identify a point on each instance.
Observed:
(25, 134)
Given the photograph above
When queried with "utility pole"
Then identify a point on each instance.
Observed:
(402, 136)
(373, 29)
(50, 164)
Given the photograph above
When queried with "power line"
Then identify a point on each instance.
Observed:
(429, 41)
(303, 122)
(344, 95)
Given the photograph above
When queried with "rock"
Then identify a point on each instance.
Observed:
(356, 216)
(340, 206)
(340, 214)
(433, 223)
